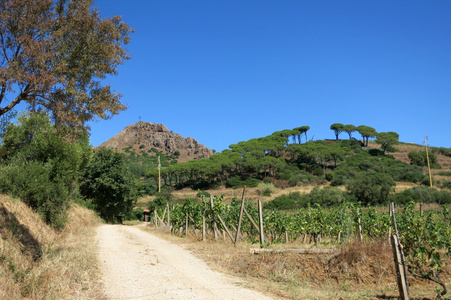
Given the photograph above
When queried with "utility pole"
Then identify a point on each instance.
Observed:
(427, 158)
(159, 175)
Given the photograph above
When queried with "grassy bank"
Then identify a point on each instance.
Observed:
(39, 262)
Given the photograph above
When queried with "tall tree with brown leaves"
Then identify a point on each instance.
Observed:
(54, 55)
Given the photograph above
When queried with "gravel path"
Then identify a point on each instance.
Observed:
(137, 265)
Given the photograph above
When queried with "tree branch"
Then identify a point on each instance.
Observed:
(22, 96)
(438, 281)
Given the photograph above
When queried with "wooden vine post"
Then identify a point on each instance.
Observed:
(260, 221)
(400, 261)
(186, 224)
(203, 227)
(360, 225)
(400, 275)
(240, 219)
(214, 227)
(226, 228)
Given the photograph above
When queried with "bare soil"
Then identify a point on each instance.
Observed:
(138, 265)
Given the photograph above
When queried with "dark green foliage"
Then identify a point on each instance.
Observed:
(300, 178)
(288, 172)
(40, 166)
(138, 213)
(442, 150)
(5, 120)
(421, 159)
(201, 194)
(34, 184)
(352, 144)
(237, 182)
(371, 188)
(366, 132)
(337, 181)
(427, 180)
(363, 162)
(406, 173)
(161, 199)
(284, 202)
(446, 184)
(376, 152)
(387, 139)
(325, 197)
(337, 128)
(318, 172)
(422, 194)
(330, 176)
(110, 185)
(349, 129)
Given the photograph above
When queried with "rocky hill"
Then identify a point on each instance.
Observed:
(145, 136)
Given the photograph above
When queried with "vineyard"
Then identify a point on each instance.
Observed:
(425, 236)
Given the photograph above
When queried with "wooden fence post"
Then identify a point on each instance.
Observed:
(169, 218)
(400, 275)
(360, 225)
(252, 220)
(213, 221)
(237, 237)
(226, 228)
(186, 224)
(260, 221)
(402, 258)
(203, 227)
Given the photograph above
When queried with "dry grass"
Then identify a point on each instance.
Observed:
(360, 270)
(37, 262)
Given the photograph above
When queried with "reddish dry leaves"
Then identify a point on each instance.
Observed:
(53, 56)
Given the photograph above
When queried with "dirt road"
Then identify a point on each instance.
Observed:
(137, 265)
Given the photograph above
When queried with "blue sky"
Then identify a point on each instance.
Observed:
(228, 71)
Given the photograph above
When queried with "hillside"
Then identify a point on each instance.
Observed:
(39, 262)
(153, 139)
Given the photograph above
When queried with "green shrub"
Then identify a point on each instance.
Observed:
(371, 188)
(422, 194)
(236, 182)
(325, 197)
(138, 214)
(41, 167)
(318, 172)
(427, 180)
(338, 180)
(302, 177)
(267, 180)
(330, 176)
(32, 183)
(201, 194)
(110, 184)
(446, 184)
(265, 189)
(420, 159)
(161, 199)
(285, 202)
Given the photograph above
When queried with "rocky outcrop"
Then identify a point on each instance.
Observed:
(145, 136)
